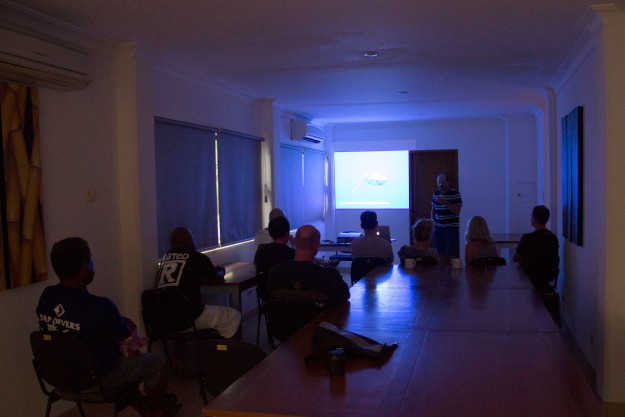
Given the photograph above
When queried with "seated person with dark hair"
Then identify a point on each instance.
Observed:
(370, 245)
(422, 234)
(276, 252)
(185, 268)
(537, 252)
(69, 307)
(302, 280)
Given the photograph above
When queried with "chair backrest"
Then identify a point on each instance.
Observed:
(64, 361)
(543, 272)
(219, 363)
(290, 310)
(166, 311)
(488, 261)
(261, 286)
(362, 266)
(425, 260)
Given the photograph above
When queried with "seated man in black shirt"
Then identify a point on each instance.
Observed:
(185, 268)
(537, 252)
(301, 288)
(276, 252)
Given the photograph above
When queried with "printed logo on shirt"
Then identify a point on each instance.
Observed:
(59, 310)
(54, 323)
(171, 270)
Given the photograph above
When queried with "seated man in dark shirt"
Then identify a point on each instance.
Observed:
(537, 252)
(185, 268)
(69, 307)
(276, 252)
(306, 286)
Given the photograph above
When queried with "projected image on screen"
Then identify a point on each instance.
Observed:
(371, 180)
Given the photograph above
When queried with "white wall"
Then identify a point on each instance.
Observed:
(101, 139)
(593, 290)
(584, 267)
(485, 174)
(78, 153)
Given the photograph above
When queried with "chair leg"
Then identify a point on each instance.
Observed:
(82, 411)
(49, 406)
(270, 339)
(167, 355)
(260, 313)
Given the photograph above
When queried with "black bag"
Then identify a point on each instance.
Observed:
(327, 336)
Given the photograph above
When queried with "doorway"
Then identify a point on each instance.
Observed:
(424, 167)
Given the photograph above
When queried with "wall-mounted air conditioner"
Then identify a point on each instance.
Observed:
(30, 58)
(300, 130)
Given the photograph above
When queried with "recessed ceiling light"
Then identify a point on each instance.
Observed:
(371, 54)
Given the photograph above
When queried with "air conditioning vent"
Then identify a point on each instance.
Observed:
(33, 59)
(300, 130)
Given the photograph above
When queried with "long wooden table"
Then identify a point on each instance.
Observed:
(471, 343)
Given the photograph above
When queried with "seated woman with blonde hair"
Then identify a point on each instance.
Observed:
(480, 244)
(422, 233)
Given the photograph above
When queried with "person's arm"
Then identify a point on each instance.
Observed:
(453, 208)
(213, 272)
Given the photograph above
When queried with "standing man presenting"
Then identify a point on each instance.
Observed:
(446, 205)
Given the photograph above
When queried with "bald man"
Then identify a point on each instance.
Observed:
(302, 277)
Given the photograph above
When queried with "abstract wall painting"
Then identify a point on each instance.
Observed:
(22, 241)
(573, 176)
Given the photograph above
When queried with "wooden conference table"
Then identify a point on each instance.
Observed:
(471, 343)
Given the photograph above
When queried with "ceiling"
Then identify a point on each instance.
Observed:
(436, 59)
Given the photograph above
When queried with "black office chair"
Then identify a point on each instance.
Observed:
(483, 262)
(289, 310)
(362, 266)
(545, 280)
(262, 298)
(168, 315)
(219, 363)
(68, 369)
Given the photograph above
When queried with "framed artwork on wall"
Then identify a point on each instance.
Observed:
(573, 176)
(22, 242)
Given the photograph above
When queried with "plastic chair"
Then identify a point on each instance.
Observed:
(362, 266)
(168, 315)
(68, 369)
(219, 363)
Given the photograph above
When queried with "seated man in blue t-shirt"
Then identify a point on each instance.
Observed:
(69, 307)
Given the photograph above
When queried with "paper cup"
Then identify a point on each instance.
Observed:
(456, 263)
